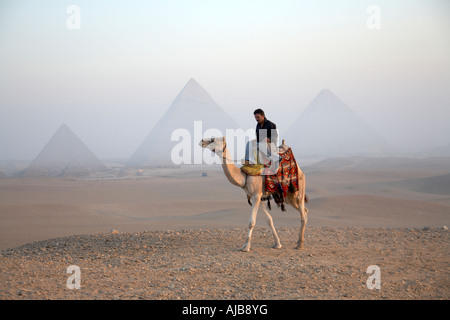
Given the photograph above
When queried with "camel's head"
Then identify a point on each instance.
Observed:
(214, 144)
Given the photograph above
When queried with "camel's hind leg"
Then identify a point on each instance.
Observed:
(299, 204)
(269, 219)
(304, 219)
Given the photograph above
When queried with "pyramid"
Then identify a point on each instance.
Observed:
(64, 154)
(328, 128)
(193, 103)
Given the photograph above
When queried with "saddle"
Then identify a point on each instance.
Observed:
(278, 181)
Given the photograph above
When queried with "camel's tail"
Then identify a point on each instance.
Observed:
(306, 198)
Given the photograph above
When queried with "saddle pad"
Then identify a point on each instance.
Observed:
(253, 170)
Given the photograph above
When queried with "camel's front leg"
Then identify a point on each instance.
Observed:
(269, 219)
(256, 200)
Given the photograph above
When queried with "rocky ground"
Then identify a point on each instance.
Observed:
(207, 264)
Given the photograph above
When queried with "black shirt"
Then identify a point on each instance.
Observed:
(267, 127)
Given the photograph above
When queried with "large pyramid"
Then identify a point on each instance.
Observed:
(193, 103)
(64, 154)
(328, 128)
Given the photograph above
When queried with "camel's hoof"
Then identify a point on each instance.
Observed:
(245, 248)
(277, 246)
(299, 247)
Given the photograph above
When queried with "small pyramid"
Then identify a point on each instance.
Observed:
(328, 128)
(193, 103)
(64, 154)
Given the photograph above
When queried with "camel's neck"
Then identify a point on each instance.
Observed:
(233, 173)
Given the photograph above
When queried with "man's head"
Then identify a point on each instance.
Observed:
(259, 115)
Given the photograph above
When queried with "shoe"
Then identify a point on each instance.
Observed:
(247, 163)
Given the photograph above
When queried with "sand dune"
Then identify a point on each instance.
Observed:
(365, 210)
(434, 185)
(379, 164)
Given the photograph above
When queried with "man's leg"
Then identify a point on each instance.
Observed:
(270, 156)
(264, 152)
(247, 151)
(249, 159)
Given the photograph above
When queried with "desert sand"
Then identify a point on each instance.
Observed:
(206, 264)
(179, 233)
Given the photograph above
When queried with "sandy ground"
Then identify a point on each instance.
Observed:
(389, 213)
(206, 264)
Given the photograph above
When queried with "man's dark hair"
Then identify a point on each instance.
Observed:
(259, 111)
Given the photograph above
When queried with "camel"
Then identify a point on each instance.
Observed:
(254, 187)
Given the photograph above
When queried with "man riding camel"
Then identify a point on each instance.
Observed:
(266, 139)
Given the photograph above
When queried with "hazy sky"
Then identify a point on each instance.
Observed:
(111, 80)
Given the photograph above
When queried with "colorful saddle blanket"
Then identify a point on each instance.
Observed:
(286, 178)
